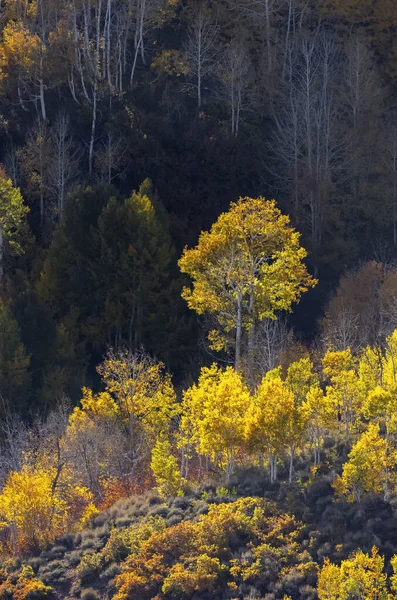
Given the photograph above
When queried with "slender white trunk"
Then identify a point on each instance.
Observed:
(41, 83)
(291, 465)
(93, 128)
(239, 331)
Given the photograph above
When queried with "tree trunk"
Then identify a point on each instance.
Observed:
(273, 467)
(251, 334)
(186, 466)
(182, 460)
(41, 83)
(229, 468)
(239, 331)
(93, 127)
(261, 461)
(291, 466)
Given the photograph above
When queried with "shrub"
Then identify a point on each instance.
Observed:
(154, 499)
(67, 541)
(89, 566)
(182, 503)
(89, 594)
(173, 520)
(35, 563)
(74, 558)
(56, 552)
(111, 572)
(124, 522)
(159, 511)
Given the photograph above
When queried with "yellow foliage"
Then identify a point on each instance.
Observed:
(200, 574)
(381, 405)
(300, 378)
(275, 422)
(265, 423)
(246, 268)
(322, 417)
(367, 467)
(89, 511)
(165, 468)
(214, 412)
(370, 368)
(99, 406)
(19, 49)
(360, 576)
(346, 391)
(37, 508)
(389, 378)
(142, 391)
(24, 587)
(335, 363)
(192, 558)
(169, 62)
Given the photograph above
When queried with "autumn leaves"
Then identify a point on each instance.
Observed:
(248, 266)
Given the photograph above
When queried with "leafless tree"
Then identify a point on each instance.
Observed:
(97, 452)
(360, 87)
(64, 168)
(86, 23)
(234, 74)
(361, 95)
(201, 49)
(15, 443)
(111, 156)
(363, 311)
(11, 163)
(306, 140)
(272, 338)
(342, 331)
(262, 15)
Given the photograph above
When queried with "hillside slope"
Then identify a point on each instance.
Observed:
(255, 540)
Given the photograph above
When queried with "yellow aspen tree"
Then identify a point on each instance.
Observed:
(136, 408)
(321, 418)
(301, 378)
(93, 406)
(390, 361)
(19, 58)
(393, 578)
(165, 468)
(275, 424)
(360, 577)
(142, 390)
(36, 506)
(214, 410)
(345, 391)
(370, 368)
(381, 405)
(330, 584)
(247, 267)
(367, 467)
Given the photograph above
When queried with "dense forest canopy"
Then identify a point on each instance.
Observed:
(212, 100)
(198, 299)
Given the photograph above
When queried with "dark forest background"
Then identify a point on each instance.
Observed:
(192, 104)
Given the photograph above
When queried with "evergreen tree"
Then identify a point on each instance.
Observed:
(110, 262)
(14, 365)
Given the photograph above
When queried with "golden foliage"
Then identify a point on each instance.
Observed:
(35, 508)
(249, 263)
